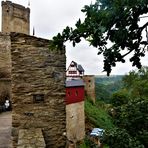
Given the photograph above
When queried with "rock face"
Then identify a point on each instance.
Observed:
(38, 88)
(15, 18)
(90, 86)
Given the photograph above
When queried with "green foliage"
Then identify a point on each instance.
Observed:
(108, 80)
(137, 83)
(98, 116)
(87, 143)
(119, 98)
(102, 93)
(131, 116)
(130, 128)
(105, 86)
(115, 21)
(134, 118)
(119, 138)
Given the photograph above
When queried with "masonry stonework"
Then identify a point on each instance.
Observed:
(5, 56)
(38, 89)
(15, 18)
(90, 86)
(5, 90)
(32, 138)
(5, 68)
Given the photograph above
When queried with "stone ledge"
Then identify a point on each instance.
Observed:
(31, 138)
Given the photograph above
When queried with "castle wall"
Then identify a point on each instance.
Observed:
(75, 121)
(5, 56)
(5, 90)
(38, 88)
(90, 86)
(15, 18)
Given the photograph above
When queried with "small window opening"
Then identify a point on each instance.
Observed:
(38, 98)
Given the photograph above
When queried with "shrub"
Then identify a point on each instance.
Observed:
(119, 98)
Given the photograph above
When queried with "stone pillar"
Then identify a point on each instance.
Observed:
(38, 88)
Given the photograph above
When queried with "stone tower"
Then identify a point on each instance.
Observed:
(90, 86)
(15, 18)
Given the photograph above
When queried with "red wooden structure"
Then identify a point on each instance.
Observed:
(74, 91)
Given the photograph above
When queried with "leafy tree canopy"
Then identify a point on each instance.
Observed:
(119, 138)
(119, 98)
(133, 117)
(114, 21)
(137, 83)
(131, 111)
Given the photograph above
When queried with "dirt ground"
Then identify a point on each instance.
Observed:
(5, 130)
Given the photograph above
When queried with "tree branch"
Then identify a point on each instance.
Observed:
(127, 53)
(144, 26)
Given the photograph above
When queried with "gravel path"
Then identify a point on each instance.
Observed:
(5, 130)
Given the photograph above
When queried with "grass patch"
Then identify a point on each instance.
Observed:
(98, 116)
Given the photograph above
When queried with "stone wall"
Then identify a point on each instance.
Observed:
(5, 90)
(32, 138)
(75, 121)
(38, 88)
(5, 67)
(15, 18)
(90, 87)
(5, 56)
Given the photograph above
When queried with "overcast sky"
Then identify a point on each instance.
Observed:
(49, 17)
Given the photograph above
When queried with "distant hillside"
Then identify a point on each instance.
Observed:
(102, 79)
(105, 86)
